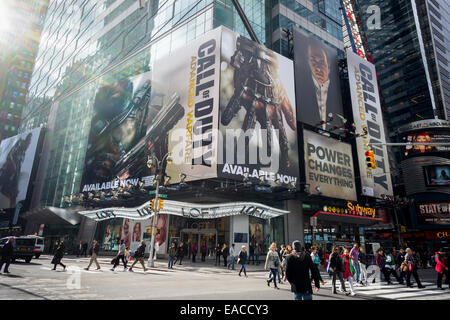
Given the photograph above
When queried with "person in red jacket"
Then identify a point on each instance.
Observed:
(441, 268)
(349, 271)
(326, 260)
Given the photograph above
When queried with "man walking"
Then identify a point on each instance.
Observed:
(233, 254)
(298, 266)
(336, 269)
(172, 254)
(93, 252)
(354, 255)
(7, 253)
(84, 252)
(139, 256)
(251, 250)
(203, 250)
(180, 253)
(257, 253)
(362, 258)
(399, 263)
(79, 248)
(120, 256)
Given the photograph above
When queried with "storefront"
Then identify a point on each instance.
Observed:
(238, 222)
(340, 225)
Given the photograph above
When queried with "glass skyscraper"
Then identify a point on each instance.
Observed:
(86, 44)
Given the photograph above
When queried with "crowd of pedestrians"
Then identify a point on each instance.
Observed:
(294, 264)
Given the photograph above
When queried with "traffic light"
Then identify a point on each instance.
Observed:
(153, 204)
(160, 204)
(370, 160)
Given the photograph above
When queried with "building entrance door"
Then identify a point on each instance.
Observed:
(200, 236)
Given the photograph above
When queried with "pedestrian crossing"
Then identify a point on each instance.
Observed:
(43, 289)
(385, 291)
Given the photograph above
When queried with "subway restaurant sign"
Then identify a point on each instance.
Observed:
(188, 210)
(351, 209)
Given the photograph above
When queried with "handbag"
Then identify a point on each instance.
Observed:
(113, 261)
(411, 267)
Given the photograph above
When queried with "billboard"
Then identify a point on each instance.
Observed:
(367, 116)
(16, 164)
(329, 166)
(433, 212)
(316, 81)
(173, 108)
(428, 136)
(192, 75)
(219, 105)
(257, 113)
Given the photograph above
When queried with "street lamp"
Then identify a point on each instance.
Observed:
(153, 161)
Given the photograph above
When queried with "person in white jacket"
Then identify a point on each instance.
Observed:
(233, 254)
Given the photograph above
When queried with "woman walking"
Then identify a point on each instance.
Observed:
(59, 254)
(316, 262)
(412, 262)
(348, 269)
(242, 260)
(440, 268)
(120, 256)
(272, 263)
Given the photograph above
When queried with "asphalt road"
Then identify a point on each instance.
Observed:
(199, 281)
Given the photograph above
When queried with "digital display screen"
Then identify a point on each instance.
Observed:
(437, 175)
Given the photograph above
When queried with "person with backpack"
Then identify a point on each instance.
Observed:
(336, 270)
(139, 256)
(242, 260)
(59, 254)
(412, 263)
(93, 252)
(298, 266)
(120, 256)
(172, 255)
(272, 263)
(440, 268)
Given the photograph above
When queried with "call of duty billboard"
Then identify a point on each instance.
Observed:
(16, 165)
(367, 116)
(175, 108)
(316, 81)
(257, 113)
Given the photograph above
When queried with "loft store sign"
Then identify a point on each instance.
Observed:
(189, 210)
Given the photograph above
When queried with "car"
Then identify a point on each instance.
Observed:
(23, 248)
(38, 246)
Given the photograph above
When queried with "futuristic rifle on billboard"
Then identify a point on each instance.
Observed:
(166, 118)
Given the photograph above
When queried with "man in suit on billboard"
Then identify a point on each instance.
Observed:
(317, 84)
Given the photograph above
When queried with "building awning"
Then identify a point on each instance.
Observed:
(188, 210)
(345, 218)
(52, 216)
